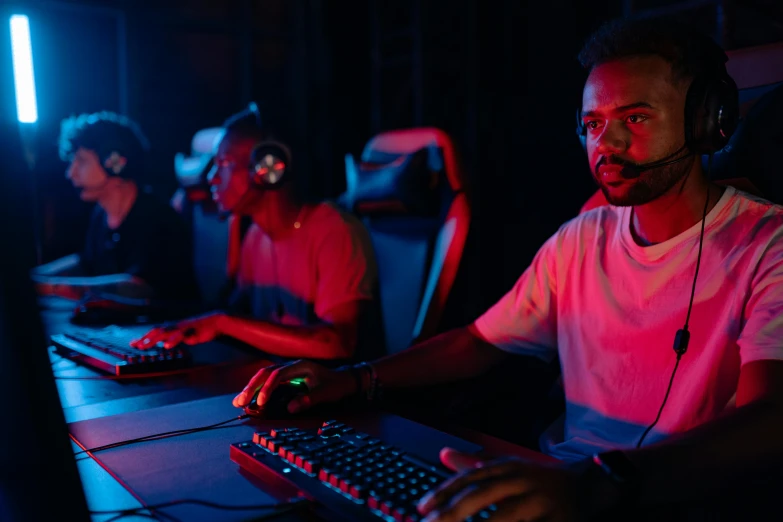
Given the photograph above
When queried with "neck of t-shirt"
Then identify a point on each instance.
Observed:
(653, 252)
(672, 214)
(278, 216)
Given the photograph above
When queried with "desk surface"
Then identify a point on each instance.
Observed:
(102, 410)
(86, 393)
(197, 465)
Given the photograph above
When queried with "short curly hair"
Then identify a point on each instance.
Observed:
(689, 52)
(104, 132)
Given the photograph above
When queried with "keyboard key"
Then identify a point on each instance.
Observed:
(374, 500)
(400, 513)
(413, 517)
(260, 438)
(357, 491)
(310, 466)
(282, 450)
(387, 506)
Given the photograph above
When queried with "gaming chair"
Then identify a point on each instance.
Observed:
(410, 191)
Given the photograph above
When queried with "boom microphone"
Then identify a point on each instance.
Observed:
(633, 171)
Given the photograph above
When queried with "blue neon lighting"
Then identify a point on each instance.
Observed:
(24, 80)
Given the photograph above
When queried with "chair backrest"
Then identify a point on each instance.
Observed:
(410, 192)
(211, 238)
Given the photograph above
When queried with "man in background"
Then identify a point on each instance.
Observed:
(307, 279)
(136, 246)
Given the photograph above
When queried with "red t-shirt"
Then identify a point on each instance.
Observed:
(298, 279)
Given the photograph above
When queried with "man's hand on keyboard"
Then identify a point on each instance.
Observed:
(515, 490)
(324, 385)
(190, 331)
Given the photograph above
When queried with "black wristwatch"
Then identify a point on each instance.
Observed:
(618, 467)
(618, 474)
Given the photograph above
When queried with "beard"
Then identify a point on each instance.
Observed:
(649, 186)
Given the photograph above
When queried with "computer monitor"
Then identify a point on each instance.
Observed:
(38, 475)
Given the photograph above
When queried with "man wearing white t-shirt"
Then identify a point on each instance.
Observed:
(610, 293)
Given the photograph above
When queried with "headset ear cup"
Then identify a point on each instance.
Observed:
(114, 164)
(727, 112)
(711, 113)
(269, 163)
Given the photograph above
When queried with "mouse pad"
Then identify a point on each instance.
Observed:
(197, 466)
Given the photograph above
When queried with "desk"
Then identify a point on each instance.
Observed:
(197, 466)
(87, 393)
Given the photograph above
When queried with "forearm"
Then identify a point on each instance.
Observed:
(452, 356)
(123, 285)
(309, 342)
(718, 455)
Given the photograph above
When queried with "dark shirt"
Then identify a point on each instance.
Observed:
(152, 243)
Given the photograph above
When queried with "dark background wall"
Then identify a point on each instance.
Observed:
(499, 76)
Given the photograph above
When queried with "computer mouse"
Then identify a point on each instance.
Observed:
(276, 407)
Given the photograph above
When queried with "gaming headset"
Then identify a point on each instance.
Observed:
(111, 151)
(270, 160)
(711, 108)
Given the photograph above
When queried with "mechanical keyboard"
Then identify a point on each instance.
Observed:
(108, 349)
(352, 474)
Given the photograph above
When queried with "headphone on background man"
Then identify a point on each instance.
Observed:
(270, 160)
(711, 110)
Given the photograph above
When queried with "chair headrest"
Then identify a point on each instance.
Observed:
(391, 144)
(402, 184)
(754, 150)
(191, 169)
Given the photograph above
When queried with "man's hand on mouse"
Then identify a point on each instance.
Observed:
(323, 385)
(191, 331)
(518, 490)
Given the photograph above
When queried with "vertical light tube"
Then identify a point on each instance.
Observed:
(24, 79)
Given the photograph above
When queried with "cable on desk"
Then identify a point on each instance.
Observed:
(164, 435)
(278, 508)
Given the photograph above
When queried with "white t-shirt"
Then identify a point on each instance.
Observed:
(610, 308)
